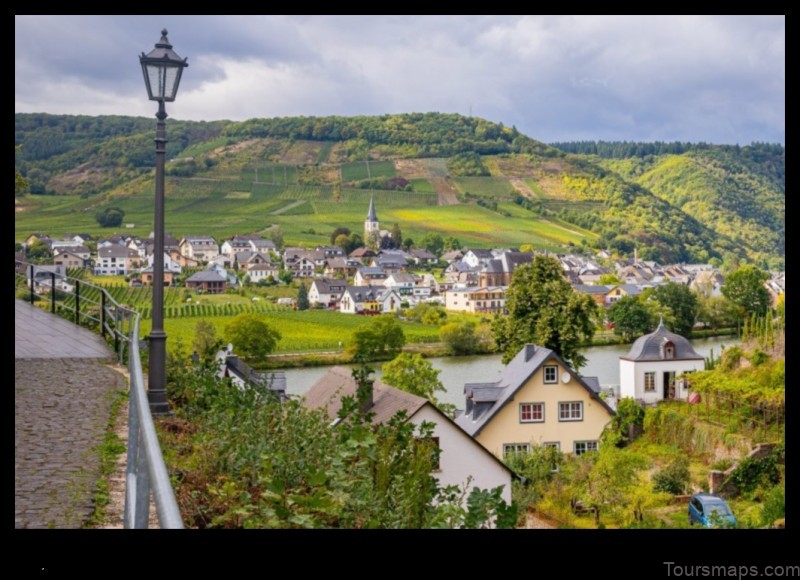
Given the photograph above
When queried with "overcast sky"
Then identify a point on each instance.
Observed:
(719, 79)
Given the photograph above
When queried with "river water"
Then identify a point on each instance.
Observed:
(603, 362)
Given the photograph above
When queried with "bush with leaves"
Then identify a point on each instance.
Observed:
(756, 472)
(110, 217)
(251, 336)
(674, 478)
(629, 416)
(382, 337)
(465, 337)
(774, 506)
(248, 460)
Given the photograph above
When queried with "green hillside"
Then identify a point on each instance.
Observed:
(726, 190)
(486, 184)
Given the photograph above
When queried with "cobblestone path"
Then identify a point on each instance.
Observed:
(62, 399)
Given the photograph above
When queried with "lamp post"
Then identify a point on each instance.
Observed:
(162, 69)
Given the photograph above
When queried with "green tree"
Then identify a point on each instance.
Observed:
(630, 317)
(609, 279)
(717, 312)
(428, 313)
(413, 374)
(302, 297)
(373, 240)
(343, 242)
(682, 303)
(433, 242)
(354, 241)
(38, 251)
(382, 336)
(451, 243)
(206, 343)
(545, 310)
(745, 288)
(286, 277)
(20, 183)
(340, 231)
(397, 236)
(464, 337)
(110, 217)
(251, 336)
(408, 243)
(276, 235)
(613, 479)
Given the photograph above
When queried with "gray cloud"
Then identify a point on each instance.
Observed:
(712, 78)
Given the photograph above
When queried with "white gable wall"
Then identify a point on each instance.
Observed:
(461, 456)
(631, 376)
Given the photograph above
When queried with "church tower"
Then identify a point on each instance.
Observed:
(371, 223)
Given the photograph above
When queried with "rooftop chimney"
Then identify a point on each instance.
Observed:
(530, 350)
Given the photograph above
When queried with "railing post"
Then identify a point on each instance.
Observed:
(31, 281)
(77, 303)
(53, 292)
(103, 313)
(116, 328)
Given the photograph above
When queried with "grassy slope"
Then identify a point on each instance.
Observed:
(195, 206)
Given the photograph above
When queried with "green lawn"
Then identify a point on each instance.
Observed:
(307, 330)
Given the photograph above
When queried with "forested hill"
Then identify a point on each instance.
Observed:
(739, 192)
(462, 171)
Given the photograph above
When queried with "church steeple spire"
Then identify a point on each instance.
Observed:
(371, 223)
(371, 217)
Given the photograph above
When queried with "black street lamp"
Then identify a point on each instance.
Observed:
(162, 69)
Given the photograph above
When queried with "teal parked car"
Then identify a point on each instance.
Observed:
(711, 511)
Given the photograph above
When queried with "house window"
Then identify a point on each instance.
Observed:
(509, 448)
(669, 350)
(551, 374)
(552, 444)
(649, 382)
(570, 411)
(582, 447)
(531, 412)
(437, 450)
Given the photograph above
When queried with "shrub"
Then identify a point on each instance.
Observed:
(753, 473)
(674, 478)
(774, 507)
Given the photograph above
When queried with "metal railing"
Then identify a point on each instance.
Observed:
(146, 469)
(93, 307)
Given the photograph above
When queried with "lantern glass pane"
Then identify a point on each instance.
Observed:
(171, 86)
(155, 75)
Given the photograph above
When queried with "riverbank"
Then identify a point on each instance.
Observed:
(434, 350)
(601, 362)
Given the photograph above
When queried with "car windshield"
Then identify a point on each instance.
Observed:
(719, 509)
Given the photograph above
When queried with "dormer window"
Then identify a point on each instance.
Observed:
(669, 350)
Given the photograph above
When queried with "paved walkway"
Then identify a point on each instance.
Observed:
(62, 397)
